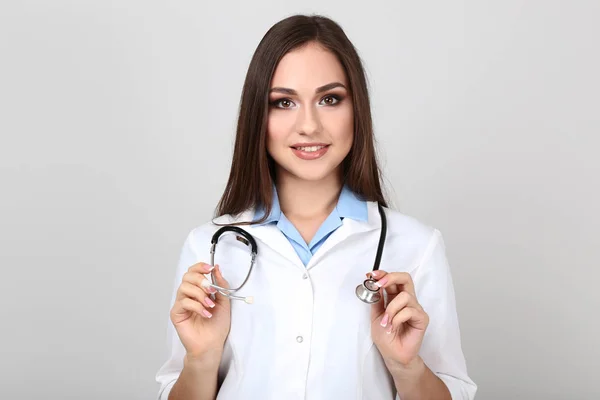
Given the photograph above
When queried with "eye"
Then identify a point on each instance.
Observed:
(330, 100)
(282, 103)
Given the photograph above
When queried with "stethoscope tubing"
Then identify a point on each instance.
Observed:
(367, 291)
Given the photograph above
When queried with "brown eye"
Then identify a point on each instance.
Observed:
(330, 100)
(282, 103)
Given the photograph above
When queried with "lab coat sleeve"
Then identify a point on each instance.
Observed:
(169, 371)
(441, 349)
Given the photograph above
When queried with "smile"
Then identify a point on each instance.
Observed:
(310, 151)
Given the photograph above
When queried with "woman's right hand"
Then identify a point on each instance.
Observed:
(202, 325)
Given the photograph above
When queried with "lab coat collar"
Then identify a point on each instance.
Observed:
(272, 237)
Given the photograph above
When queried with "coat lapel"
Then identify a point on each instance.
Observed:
(349, 227)
(269, 235)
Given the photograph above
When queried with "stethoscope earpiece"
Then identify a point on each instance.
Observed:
(368, 291)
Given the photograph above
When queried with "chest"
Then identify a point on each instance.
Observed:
(306, 323)
(292, 299)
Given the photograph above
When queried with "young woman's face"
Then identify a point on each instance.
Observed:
(310, 120)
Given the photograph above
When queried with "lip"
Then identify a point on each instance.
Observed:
(309, 155)
(309, 144)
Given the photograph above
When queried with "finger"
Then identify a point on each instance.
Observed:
(188, 304)
(377, 274)
(198, 279)
(201, 267)
(404, 299)
(377, 309)
(395, 282)
(194, 292)
(221, 281)
(416, 318)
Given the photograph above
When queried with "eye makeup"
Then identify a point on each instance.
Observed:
(286, 103)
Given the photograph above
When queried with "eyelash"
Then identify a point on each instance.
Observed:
(338, 99)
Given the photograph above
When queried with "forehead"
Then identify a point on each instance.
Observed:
(307, 68)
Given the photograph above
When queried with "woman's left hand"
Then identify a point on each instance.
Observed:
(398, 329)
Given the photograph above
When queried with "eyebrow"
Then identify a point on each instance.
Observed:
(320, 89)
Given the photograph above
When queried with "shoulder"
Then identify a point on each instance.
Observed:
(407, 227)
(400, 223)
(409, 237)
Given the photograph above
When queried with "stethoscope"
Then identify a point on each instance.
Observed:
(367, 291)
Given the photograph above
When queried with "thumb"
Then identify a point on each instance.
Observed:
(221, 281)
(377, 309)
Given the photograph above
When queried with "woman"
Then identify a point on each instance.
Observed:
(305, 183)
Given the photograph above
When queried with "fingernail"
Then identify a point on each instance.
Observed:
(209, 302)
(384, 320)
(382, 282)
(205, 283)
(211, 268)
(389, 329)
(206, 313)
(374, 273)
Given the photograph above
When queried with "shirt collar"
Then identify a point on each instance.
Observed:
(349, 205)
(275, 214)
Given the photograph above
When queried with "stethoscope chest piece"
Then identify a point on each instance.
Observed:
(368, 291)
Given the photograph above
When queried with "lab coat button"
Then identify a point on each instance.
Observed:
(299, 339)
(304, 276)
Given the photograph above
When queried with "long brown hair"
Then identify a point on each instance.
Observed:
(252, 172)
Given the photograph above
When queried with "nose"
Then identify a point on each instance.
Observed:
(308, 121)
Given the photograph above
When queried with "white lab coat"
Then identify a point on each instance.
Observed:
(307, 335)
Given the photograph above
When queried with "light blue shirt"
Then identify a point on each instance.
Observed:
(349, 206)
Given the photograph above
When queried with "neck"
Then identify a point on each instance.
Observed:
(300, 199)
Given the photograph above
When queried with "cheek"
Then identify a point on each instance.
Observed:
(340, 125)
(276, 130)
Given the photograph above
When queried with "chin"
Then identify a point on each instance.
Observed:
(311, 174)
(313, 171)
(311, 177)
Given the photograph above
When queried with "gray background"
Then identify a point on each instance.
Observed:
(117, 122)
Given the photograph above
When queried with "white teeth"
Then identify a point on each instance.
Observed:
(310, 148)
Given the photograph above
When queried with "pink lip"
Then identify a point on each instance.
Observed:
(310, 155)
(308, 144)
